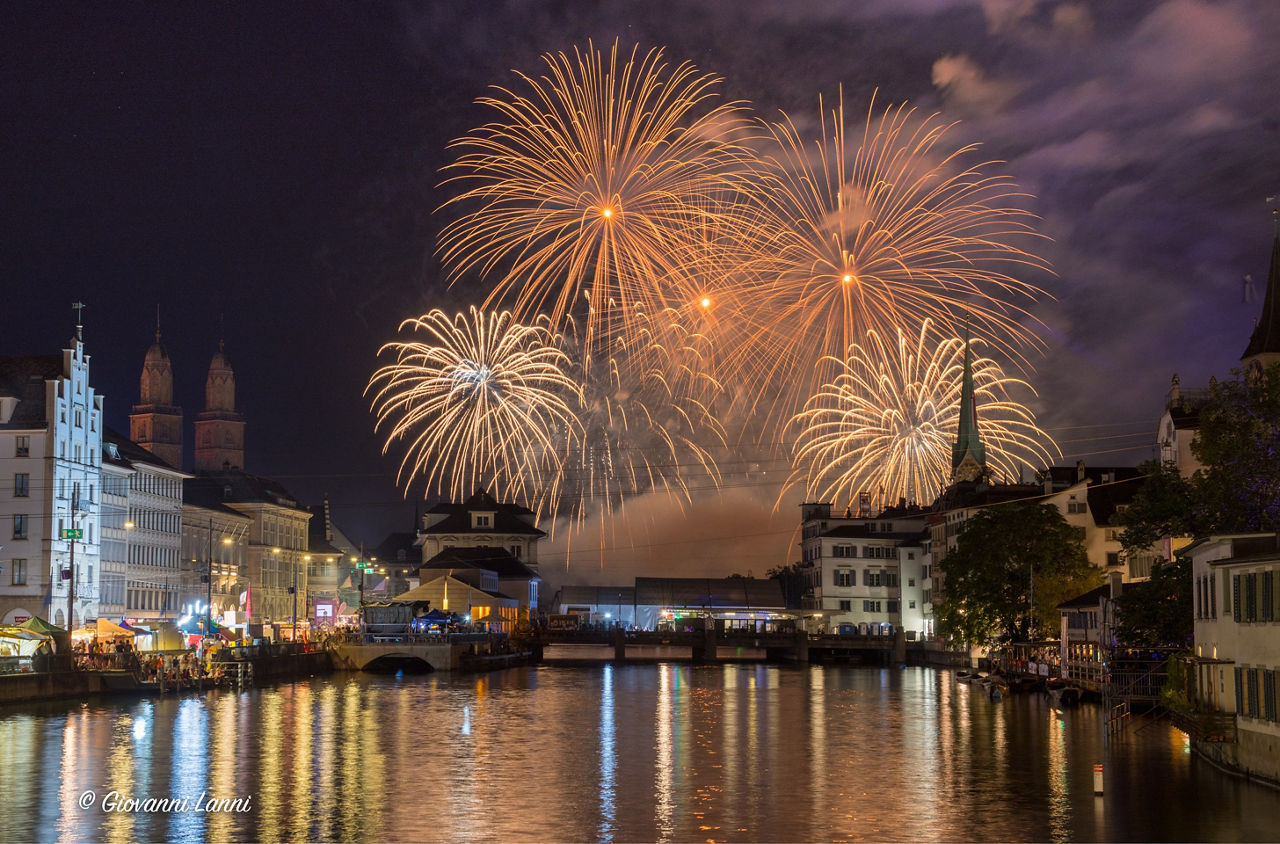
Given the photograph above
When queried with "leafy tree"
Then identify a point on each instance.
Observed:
(1239, 445)
(1158, 613)
(792, 580)
(987, 589)
(1165, 505)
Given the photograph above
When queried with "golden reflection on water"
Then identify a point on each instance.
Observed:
(654, 752)
(1059, 778)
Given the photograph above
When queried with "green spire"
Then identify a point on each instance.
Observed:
(968, 441)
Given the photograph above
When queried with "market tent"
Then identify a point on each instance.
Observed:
(61, 638)
(39, 625)
(19, 641)
(101, 629)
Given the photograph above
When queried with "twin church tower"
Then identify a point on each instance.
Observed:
(156, 422)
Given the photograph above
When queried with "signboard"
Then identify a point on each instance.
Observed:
(73, 533)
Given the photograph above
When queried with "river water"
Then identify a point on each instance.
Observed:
(662, 752)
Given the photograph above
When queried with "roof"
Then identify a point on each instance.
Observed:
(235, 487)
(130, 452)
(722, 593)
(390, 549)
(497, 560)
(982, 494)
(863, 532)
(1105, 499)
(423, 592)
(1088, 599)
(23, 377)
(507, 518)
(598, 595)
(1266, 335)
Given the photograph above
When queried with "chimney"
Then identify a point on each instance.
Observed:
(1079, 471)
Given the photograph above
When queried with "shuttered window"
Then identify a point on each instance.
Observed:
(1235, 597)
(1239, 690)
(1269, 695)
(1268, 589)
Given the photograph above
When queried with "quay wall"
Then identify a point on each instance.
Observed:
(1253, 755)
(21, 688)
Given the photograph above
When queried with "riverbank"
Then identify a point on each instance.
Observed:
(29, 687)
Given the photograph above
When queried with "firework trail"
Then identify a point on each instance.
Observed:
(875, 232)
(885, 424)
(588, 193)
(481, 401)
(648, 419)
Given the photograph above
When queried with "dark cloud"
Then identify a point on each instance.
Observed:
(269, 175)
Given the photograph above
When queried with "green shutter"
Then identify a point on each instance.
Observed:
(1239, 690)
(1235, 598)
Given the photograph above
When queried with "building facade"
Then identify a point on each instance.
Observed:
(50, 462)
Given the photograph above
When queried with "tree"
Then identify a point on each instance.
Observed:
(988, 578)
(1158, 613)
(1238, 443)
(1165, 505)
(793, 582)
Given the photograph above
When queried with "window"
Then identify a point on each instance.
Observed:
(844, 551)
(1074, 506)
(22, 447)
(1235, 598)
(19, 527)
(871, 606)
(21, 485)
(870, 578)
(843, 577)
(79, 418)
(1113, 558)
(892, 606)
(1250, 597)
(911, 581)
(911, 604)
(846, 606)
(1268, 592)
(515, 551)
(19, 575)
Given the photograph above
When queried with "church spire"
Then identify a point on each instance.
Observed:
(968, 456)
(1264, 344)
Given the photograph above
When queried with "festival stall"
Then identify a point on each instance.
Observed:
(19, 646)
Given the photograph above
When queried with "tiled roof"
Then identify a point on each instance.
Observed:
(235, 487)
(598, 595)
(497, 560)
(507, 518)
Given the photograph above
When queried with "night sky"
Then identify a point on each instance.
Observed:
(267, 174)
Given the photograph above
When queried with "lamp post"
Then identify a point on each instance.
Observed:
(71, 535)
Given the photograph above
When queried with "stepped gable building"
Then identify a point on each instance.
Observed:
(219, 428)
(51, 465)
(155, 423)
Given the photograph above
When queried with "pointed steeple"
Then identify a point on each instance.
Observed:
(1264, 344)
(155, 423)
(968, 457)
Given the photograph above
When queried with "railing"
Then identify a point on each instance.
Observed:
(1207, 726)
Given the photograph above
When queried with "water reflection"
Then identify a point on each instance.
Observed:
(658, 752)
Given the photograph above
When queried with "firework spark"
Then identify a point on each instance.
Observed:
(647, 417)
(885, 424)
(483, 401)
(877, 235)
(590, 189)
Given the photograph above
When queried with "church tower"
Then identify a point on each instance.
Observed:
(219, 429)
(156, 422)
(1264, 345)
(968, 456)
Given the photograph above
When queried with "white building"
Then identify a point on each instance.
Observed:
(152, 530)
(870, 572)
(1236, 583)
(50, 463)
(482, 520)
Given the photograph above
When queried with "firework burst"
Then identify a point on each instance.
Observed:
(876, 232)
(590, 190)
(885, 424)
(482, 401)
(648, 422)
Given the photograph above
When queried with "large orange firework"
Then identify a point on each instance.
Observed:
(885, 424)
(482, 401)
(586, 196)
(877, 231)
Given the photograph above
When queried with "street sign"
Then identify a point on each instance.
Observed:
(73, 533)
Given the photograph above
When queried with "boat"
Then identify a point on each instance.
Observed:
(967, 676)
